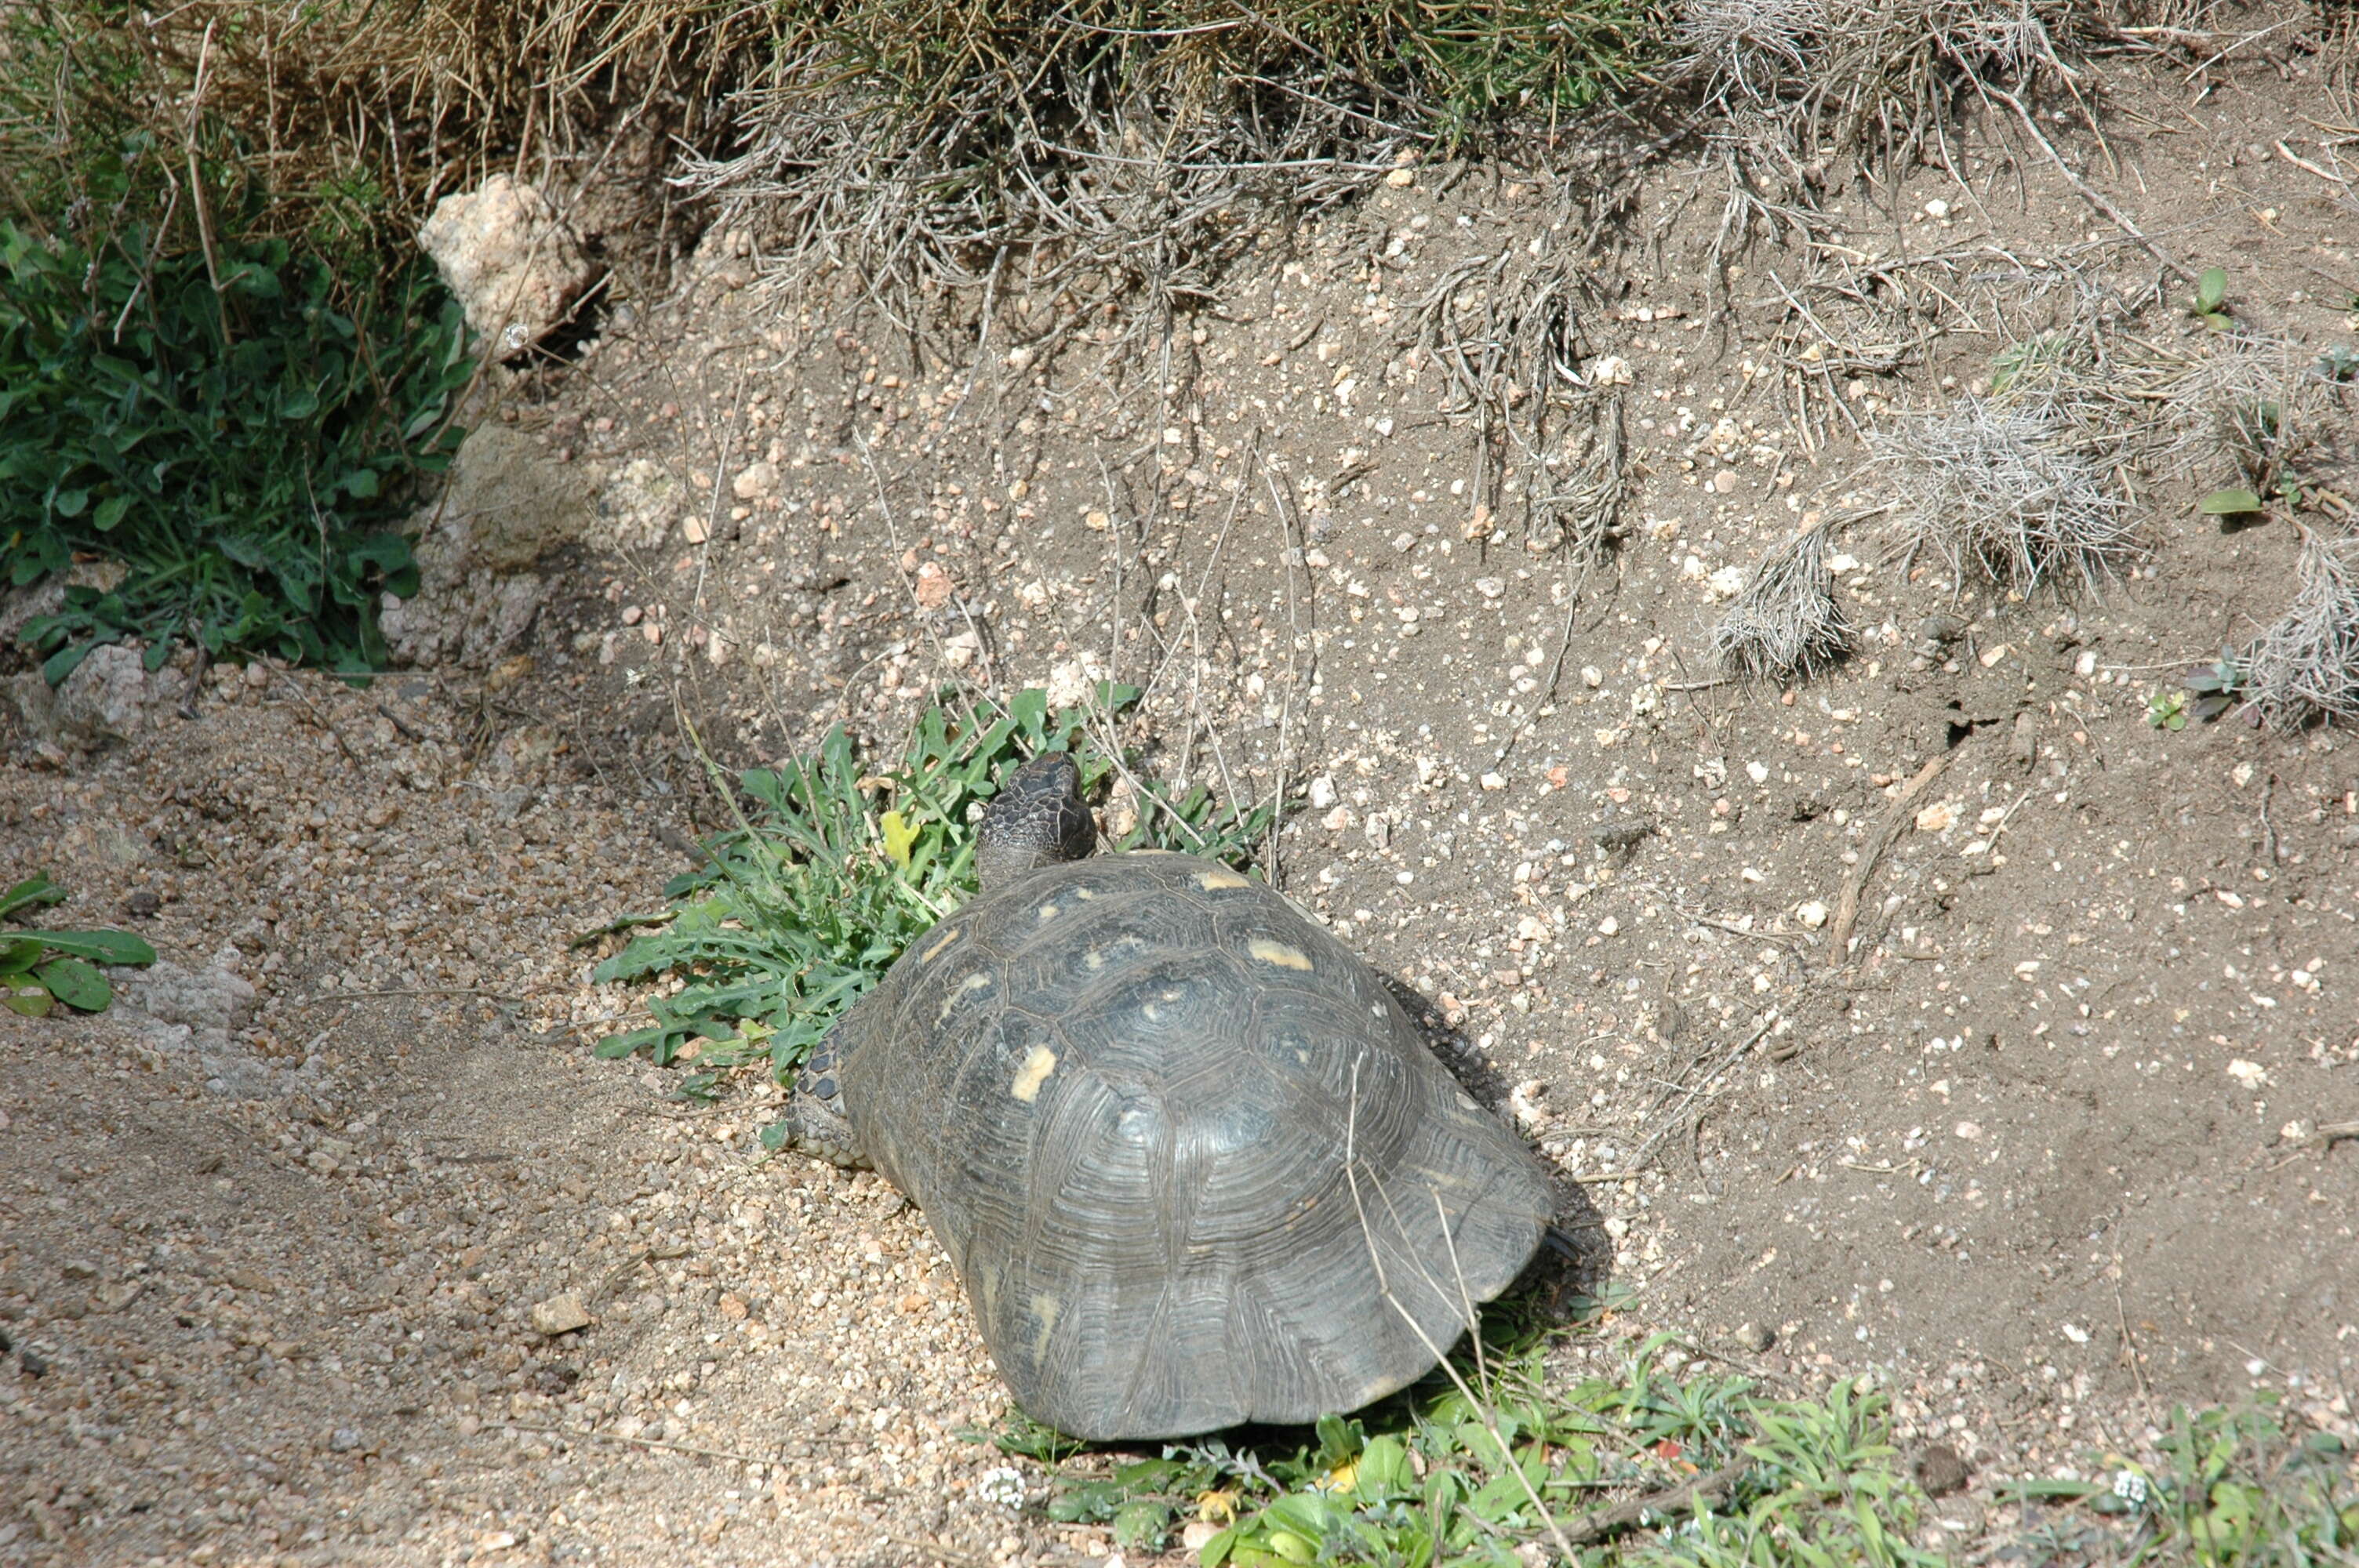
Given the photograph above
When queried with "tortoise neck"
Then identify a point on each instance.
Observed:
(1002, 865)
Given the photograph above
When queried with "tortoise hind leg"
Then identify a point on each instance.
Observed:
(816, 1122)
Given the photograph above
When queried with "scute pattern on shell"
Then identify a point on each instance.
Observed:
(1124, 1091)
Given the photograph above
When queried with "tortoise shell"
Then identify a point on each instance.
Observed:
(1193, 1163)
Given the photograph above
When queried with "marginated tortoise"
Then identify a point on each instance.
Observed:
(1194, 1165)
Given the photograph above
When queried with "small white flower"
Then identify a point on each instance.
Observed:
(1002, 1485)
(2130, 1486)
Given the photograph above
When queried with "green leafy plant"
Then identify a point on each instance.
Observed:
(833, 867)
(2217, 686)
(241, 452)
(2209, 304)
(39, 969)
(2339, 363)
(2167, 711)
(223, 360)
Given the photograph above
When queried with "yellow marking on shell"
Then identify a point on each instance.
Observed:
(1093, 959)
(1048, 912)
(950, 934)
(1152, 1013)
(1038, 1063)
(1279, 953)
(1084, 894)
(977, 981)
(1219, 878)
(1045, 1307)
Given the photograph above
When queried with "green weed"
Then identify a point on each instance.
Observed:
(39, 969)
(1465, 1470)
(2166, 709)
(241, 453)
(2209, 304)
(2217, 686)
(835, 865)
(225, 420)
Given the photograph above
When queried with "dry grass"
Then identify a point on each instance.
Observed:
(1786, 625)
(1505, 329)
(1090, 145)
(343, 123)
(1097, 149)
(2304, 668)
(2007, 492)
(2233, 406)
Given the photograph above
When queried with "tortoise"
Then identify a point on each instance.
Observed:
(1192, 1162)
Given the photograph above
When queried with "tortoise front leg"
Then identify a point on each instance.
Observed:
(816, 1122)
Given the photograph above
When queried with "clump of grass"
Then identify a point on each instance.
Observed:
(1468, 1470)
(2252, 407)
(2233, 405)
(1749, 50)
(336, 126)
(835, 865)
(1785, 625)
(2246, 1485)
(2006, 491)
(2304, 667)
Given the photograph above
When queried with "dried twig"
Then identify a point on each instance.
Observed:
(1698, 1492)
(1847, 905)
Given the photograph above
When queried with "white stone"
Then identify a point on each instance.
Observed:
(1071, 683)
(560, 1313)
(510, 258)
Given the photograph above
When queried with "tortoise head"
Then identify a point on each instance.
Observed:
(1038, 818)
